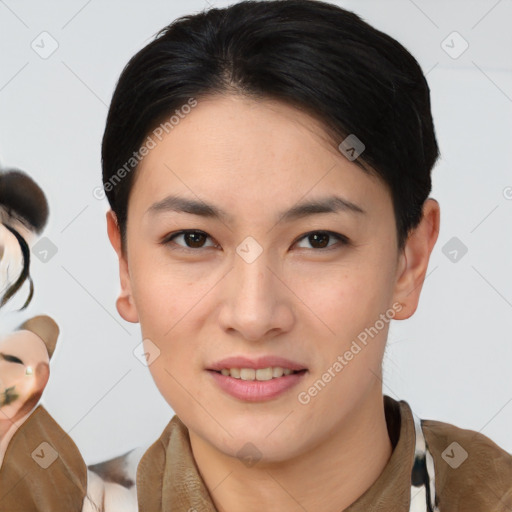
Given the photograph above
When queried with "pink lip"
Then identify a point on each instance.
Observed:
(256, 390)
(259, 362)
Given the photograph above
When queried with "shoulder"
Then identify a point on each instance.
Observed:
(472, 471)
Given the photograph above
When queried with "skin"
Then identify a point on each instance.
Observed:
(296, 300)
(28, 234)
(30, 349)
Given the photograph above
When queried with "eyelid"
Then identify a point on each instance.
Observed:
(342, 239)
(10, 358)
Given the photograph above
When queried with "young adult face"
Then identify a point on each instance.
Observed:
(24, 372)
(203, 299)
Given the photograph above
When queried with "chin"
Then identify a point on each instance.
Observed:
(253, 442)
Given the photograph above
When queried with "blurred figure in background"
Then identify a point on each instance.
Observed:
(41, 468)
(23, 216)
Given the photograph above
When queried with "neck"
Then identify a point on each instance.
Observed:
(329, 477)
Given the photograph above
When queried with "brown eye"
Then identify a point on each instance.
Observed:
(193, 239)
(320, 239)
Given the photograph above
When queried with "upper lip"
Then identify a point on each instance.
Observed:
(256, 363)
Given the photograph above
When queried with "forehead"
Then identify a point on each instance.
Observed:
(244, 151)
(24, 344)
(264, 129)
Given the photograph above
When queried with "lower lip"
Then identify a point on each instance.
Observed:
(256, 390)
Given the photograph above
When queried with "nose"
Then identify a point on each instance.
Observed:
(257, 304)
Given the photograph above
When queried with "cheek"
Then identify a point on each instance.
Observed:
(165, 286)
(350, 302)
(166, 308)
(11, 374)
(23, 388)
(160, 297)
(176, 378)
(344, 298)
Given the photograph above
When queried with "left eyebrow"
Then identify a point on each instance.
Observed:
(331, 204)
(10, 358)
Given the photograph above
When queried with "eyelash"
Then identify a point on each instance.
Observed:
(169, 240)
(11, 359)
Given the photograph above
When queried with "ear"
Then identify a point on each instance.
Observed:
(125, 304)
(41, 376)
(42, 373)
(413, 260)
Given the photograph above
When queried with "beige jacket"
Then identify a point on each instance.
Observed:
(43, 469)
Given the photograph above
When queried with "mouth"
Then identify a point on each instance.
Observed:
(258, 374)
(256, 380)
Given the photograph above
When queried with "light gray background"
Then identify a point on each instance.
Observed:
(452, 361)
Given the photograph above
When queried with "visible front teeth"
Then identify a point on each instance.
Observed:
(263, 373)
(247, 373)
(259, 374)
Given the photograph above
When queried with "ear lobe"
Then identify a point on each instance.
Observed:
(124, 304)
(126, 308)
(414, 260)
